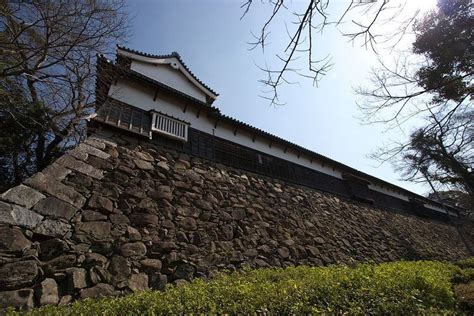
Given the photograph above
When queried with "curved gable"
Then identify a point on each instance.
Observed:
(170, 70)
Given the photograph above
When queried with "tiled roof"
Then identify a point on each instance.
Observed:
(173, 54)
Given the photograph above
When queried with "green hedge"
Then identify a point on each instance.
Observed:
(399, 287)
(466, 263)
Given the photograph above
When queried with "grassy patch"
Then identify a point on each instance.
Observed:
(395, 288)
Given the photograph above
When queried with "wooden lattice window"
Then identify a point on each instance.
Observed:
(169, 126)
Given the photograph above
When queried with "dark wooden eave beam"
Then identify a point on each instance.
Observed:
(286, 148)
(355, 179)
(235, 131)
(217, 121)
(185, 108)
(198, 113)
(156, 94)
(253, 138)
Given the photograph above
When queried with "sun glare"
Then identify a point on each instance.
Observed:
(422, 5)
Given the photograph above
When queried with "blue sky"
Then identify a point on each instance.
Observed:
(212, 40)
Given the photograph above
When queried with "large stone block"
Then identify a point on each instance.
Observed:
(138, 282)
(158, 281)
(76, 278)
(91, 216)
(22, 195)
(119, 219)
(95, 230)
(59, 263)
(283, 252)
(119, 268)
(52, 228)
(56, 171)
(95, 142)
(96, 275)
(100, 163)
(111, 189)
(12, 239)
(236, 257)
(95, 259)
(188, 212)
(55, 208)
(151, 265)
(47, 292)
(204, 205)
(78, 154)
(134, 249)
(80, 166)
(184, 271)
(142, 164)
(146, 204)
(101, 202)
(52, 248)
(144, 156)
(49, 185)
(16, 275)
(166, 246)
(100, 290)
(133, 234)
(162, 192)
(188, 223)
(163, 165)
(144, 219)
(19, 216)
(20, 299)
(94, 151)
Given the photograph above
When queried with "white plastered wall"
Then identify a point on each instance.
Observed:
(172, 77)
(142, 97)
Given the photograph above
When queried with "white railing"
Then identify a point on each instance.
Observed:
(169, 127)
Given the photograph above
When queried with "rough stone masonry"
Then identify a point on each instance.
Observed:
(116, 215)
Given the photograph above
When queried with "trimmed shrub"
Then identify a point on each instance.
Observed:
(466, 263)
(395, 288)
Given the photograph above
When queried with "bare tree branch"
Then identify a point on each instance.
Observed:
(51, 71)
(315, 19)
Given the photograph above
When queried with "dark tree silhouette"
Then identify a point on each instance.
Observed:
(47, 76)
(442, 154)
(436, 84)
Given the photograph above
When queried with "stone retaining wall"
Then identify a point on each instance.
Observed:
(116, 215)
